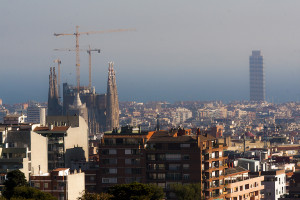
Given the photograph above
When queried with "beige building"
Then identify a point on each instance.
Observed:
(239, 185)
(67, 138)
(22, 149)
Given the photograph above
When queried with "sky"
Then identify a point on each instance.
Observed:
(181, 50)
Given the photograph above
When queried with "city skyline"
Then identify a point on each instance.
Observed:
(180, 51)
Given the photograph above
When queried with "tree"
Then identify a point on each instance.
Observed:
(26, 192)
(187, 192)
(136, 191)
(94, 196)
(14, 179)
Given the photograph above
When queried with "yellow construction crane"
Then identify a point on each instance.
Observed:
(89, 51)
(77, 34)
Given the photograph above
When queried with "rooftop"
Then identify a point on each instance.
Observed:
(235, 171)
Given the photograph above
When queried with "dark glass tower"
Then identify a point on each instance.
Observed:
(257, 79)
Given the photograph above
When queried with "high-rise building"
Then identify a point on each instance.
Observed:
(257, 80)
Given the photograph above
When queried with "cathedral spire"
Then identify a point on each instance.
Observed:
(112, 100)
(55, 86)
(54, 107)
(50, 94)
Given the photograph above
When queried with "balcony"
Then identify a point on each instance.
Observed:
(236, 180)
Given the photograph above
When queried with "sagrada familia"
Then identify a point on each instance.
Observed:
(101, 111)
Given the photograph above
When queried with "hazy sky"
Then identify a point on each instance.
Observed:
(182, 50)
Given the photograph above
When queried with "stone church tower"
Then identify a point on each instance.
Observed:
(54, 107)
(112, 100)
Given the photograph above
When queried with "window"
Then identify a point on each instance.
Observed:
(109, 141)
(160, 166)
(186, 157)
(133, 171)
(111, 161)
(109, 151)
(184, 145)
(213, 155)
(128, 171)
(127, 151)
(174, 167)
(119, 141)
(161, 176)
(173, 176)
(173, 156)
(37, 185)
(132, 161)
(129, 180)
(151, 157)
(173, 146)
(113, 170)
(136, 171)
(186, 166)
(46, 185)
(186, 176)
(61, 196)
(127, 161)
(152, 176)
(109, 180)
(112, 151)
(161, 157)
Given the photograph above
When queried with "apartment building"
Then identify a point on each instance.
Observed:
(239, 185)
(21, 148)
(67, 140)
(122, 157)
(162, 158)
(61, 183)
(275, 184)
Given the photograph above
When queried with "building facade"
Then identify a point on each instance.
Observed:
(275, 184)
(122, 157)
(240, 185)
(61, 183)
(163, 158)
(67, 140)
(257, 79)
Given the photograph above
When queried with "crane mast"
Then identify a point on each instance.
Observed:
(89, 51)
(77, 59)
(77, 34)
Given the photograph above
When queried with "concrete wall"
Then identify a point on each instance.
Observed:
(25, 168)
(39, 153)
(76, 185)
(251, 165)
(76, 143)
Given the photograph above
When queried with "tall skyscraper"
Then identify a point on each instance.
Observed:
(257, 79)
